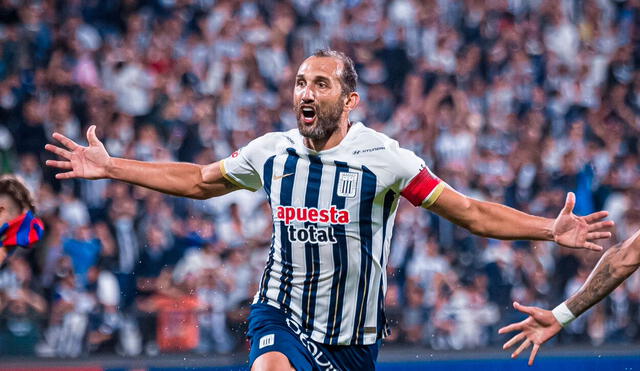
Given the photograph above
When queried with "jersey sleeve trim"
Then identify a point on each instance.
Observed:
(424, 189)
(433, 197)
(232, 179)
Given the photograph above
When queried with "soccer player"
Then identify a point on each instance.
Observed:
(615, 265)
(18, 225)
(334, 187)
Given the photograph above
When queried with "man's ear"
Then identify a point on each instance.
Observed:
(351, 101)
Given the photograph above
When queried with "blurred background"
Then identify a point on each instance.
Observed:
(511, 101)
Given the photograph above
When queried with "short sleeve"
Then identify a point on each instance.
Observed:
(241, 168)
(415, 181)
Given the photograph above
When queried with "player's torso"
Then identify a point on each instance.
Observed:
(333, 215)
(321, 196)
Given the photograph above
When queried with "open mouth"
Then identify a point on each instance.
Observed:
(308, 114)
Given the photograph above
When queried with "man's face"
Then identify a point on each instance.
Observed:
(8, 209)
(317, 97)
(31, 112)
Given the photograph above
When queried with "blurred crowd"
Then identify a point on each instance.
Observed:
(512, 101)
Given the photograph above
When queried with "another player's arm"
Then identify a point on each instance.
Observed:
(178, 179)
(615, 265)
(493, 220)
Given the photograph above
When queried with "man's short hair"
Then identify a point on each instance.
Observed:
(15, 189)
(349, 76)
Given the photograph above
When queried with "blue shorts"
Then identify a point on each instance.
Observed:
(271, 330)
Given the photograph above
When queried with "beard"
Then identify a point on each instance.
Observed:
(327, 120)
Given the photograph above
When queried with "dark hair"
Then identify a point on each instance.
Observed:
(14, 188)
(349, 76)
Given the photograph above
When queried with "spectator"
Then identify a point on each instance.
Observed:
(177, 309)
(20, 323)
(69, 319)
(84, 250)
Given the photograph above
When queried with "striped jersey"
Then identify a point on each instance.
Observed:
(333, 214)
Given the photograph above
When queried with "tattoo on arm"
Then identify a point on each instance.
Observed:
(600, 283)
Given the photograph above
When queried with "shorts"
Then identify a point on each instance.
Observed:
(271, 330)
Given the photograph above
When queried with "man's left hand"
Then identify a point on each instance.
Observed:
(579, 232)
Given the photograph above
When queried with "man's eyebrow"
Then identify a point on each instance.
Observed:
(316, 78)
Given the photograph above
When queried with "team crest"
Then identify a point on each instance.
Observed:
(347, 184)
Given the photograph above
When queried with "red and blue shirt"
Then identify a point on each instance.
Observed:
(21, 231)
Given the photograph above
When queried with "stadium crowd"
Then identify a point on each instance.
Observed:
(512, 101)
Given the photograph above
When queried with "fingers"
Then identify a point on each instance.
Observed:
(598, 235)
(65, 141)
(67, 175)
(534, 352)
(92, 138)
(524, 308)
(512, 327)
(513, 340)
(522, 347)
(601, 225)
(58, 151)
(569, 204)
(592, 246)
(596, 216)
(59, 164)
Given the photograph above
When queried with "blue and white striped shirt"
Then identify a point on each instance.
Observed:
(333, 214)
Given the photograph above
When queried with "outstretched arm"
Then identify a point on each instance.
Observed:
(615, 265)
(175, 178)
(493, 220)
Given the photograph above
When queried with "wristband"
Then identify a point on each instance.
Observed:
(563, 314)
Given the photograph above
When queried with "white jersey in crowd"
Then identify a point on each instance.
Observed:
(333, 214)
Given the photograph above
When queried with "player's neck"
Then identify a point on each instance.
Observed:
(331, 141)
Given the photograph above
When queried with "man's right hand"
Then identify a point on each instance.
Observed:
(539, 327)
(90, 162)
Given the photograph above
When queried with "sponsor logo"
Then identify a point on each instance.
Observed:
(318, 356)
(332, 215)
(359, 151)
(267, 340)
(235, 154)
(312, 233)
